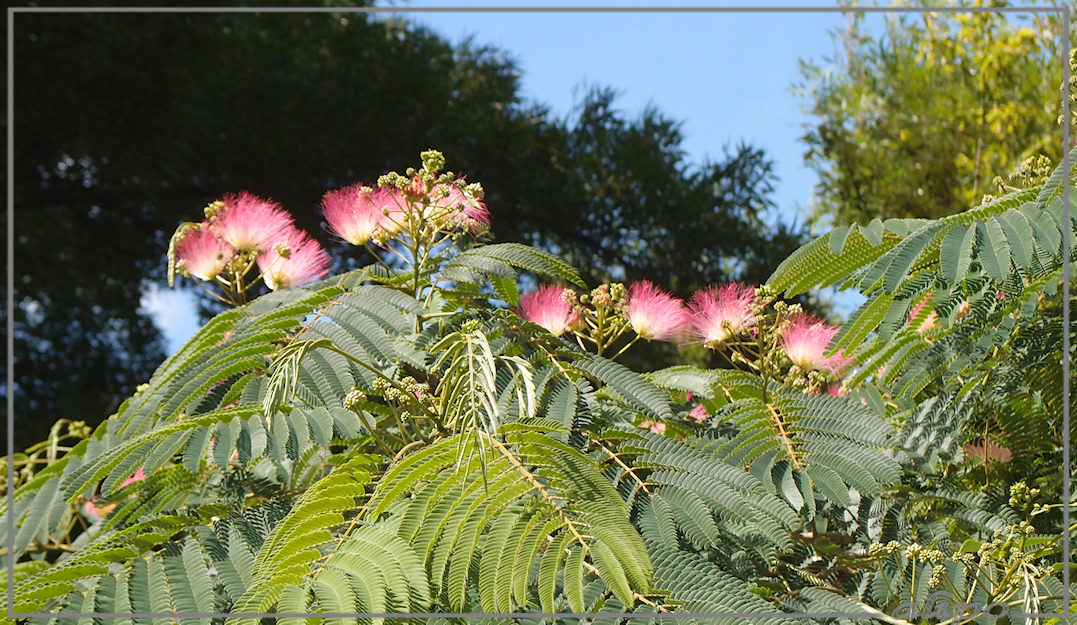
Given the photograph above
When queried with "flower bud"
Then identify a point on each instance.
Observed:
(433, 161)
(353, 399)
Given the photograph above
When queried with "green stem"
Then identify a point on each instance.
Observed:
(625, 348)
(211, 293)
(400, 426)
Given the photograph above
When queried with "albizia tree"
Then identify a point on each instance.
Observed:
(417, 436)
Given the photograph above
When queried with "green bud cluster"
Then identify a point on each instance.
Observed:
(938, 572)
(78, 429)
(213, 208)
(885, 549)
(475, 190)
(354, 399)
(433, 161)
(1021, 496)
(393, 179)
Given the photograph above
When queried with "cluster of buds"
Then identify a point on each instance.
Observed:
(885, 549)
(938, 575)
(930, 556)
(1022, 496)
(354, 399)
(1005, 547)
(242, 231)
(79, 429)
(407, 392)
(424, 206)
(911, 551)
(1034, 170)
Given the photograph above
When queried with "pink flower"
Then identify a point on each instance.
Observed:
(699, 413)
(994, 453)
(473, 215)
(836, 390)
(550, 307)
(138, 476)
(460, 208)
(653, 313)
(303, 262)
(249, 223)
(201, 254)
(805, 341)
(719, 313)
(929, 322)
(352, 213)
(95, 514)
(655, 426)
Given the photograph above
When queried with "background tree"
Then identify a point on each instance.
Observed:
(119, 134)
(633, 208)
(917, 121)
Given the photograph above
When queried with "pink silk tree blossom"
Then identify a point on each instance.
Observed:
(550, 307)
(699, 414)
(720, 313)
(459, 208)
(655, 426)
(96, 513)
(202, 254)
(352, 213)
(473, 214)
(304, 262)
(654, 314)
(929, 322)
(805, 341)
(994, 453)
(250, 223)
(137, 477)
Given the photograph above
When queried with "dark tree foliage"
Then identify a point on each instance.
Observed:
(127, 124)
(633, 208)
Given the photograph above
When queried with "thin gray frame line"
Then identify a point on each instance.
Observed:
(539, 9)
(1063, 11)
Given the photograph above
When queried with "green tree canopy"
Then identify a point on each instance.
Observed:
(120, 133)
(918, 122)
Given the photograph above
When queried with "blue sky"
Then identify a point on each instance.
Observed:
(726, 76)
